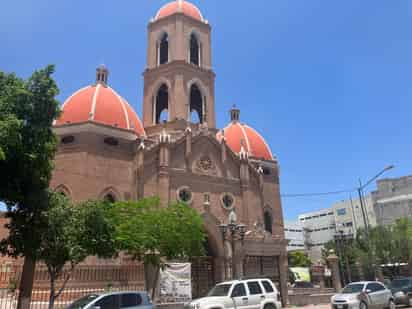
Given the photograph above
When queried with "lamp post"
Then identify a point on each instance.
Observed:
(360, 193)
(232, 232)
(341, 240)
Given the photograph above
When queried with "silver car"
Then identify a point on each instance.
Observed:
(114, 300)
(364, 295)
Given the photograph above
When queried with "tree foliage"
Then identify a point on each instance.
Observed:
(381, 245)
(149, 232)
(71, 234)
(27, 147)
(298, 259)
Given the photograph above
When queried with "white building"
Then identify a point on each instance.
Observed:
(349, 216)
(346, 217)
(318, 229)
(294, 234)
(393, 199)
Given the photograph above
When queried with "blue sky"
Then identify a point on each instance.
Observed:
(328, 83)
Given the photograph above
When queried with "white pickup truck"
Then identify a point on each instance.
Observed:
(240, 294)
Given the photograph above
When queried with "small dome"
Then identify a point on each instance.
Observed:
(179, 6)
(100, 103)
(238, 134)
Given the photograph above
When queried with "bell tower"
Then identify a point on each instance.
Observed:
(179, 80)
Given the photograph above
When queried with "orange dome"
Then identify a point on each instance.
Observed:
(238, 134)
(100, 103)
(179, 6)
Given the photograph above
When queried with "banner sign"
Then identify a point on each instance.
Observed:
(175, 283)
(300, 273)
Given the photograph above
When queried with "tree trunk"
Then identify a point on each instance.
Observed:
(156, 280)
(26, 283)
(52, 292)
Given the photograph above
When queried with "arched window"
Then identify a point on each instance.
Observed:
(109, 198)
(161, 104)
(268, 221)
(196, 104)
(163, 49)
(194, 50)
(63, 190)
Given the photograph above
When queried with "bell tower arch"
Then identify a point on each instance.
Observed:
(179, 52)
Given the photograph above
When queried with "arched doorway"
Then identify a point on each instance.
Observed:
(203, 272)
(208, 269)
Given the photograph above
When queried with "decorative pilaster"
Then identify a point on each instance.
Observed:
(283, 274)
(164, 160)
(223, 148)
(140, 170)
(244, 184)
(333, 261)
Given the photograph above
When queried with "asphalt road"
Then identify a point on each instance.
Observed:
(327, 306)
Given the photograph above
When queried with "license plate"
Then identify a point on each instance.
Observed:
(340, 306)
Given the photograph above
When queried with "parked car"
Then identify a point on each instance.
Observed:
(364, 295)
(402, 290)
(303, 285)
(115, 300)
(240, 294)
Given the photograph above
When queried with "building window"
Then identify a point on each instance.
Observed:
(111, 141)
(163, 49)
(194, 50)
(184, 195)
(161, 106)
(268, 221)
(341, 211)
(196, 105)
(206, 198)
(227, 200)
(67, 139)
(109, 198)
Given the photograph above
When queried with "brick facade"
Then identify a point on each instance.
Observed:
(179, 154)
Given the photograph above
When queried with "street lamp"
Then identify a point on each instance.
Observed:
(341, 239)
(360, 193)
(232, 232)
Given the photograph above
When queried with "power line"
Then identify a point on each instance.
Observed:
(317, 193)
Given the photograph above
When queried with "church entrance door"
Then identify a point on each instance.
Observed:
(202, 275)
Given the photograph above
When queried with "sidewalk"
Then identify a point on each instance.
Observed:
(320, 306)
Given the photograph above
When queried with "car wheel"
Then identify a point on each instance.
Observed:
(363, 305)
(269, 306)
(391, 304)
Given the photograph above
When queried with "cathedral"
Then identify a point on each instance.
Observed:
(176, 152)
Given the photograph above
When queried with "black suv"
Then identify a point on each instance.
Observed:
(402, 290)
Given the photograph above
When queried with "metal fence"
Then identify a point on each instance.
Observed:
(83, 281)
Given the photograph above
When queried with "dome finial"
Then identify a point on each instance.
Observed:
(102, 73)
(179, 3)
(234, 113)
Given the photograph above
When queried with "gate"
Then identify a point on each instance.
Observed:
(202, 276)
(259, 266)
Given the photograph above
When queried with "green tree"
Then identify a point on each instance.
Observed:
(402, 241)
(151, 233)
(27, 147)
(298, 259)
(72, 233)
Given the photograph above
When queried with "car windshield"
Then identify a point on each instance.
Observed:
(400, 283)
(83, 302)
(220, 290)
(353, 288)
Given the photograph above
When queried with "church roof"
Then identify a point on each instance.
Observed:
(100, 103)
(240, 137)
(179, 6)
